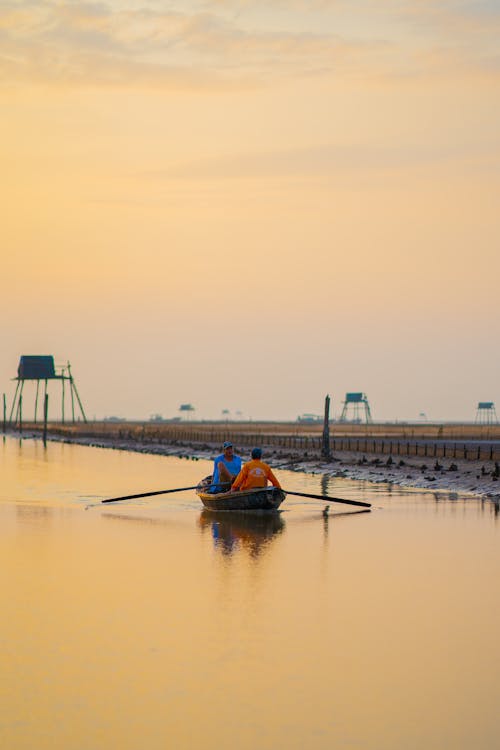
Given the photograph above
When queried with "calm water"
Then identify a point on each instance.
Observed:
(148, 625)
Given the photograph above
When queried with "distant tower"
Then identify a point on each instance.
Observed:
(41, 368)
(486, 413)
(186, 409)
(358, 402)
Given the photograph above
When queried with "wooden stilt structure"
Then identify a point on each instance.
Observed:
(38, 369)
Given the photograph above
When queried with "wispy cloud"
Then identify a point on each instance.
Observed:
(214, 43)
(328, 160)
(98, 43)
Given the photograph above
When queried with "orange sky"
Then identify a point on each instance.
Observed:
(247, 205)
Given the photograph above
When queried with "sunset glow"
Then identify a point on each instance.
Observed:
(248, 205)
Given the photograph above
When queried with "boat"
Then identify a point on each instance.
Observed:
(265, 498)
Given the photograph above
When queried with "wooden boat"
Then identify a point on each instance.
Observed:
(267, 498)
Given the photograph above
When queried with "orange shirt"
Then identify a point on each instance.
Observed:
(255, 473)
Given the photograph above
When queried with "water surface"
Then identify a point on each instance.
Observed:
(151, 624)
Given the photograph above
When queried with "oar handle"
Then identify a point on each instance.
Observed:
(147, 494)
(330, 499)
(156, 492)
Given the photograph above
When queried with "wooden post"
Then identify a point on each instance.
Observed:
(21, 414)
(36, 398)
(325, 449)
(45, 415)
(14, 403)
(4, 413)
(45, 393)
(62, 397)
(74, 390)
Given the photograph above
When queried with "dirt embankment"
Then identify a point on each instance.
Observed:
(480, 478)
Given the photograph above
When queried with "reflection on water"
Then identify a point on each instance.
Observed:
(33, 513)
(325, 481)
(154, 623)
(232, 531)
(137, 519)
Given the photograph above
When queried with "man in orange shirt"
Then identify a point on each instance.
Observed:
(255, 473)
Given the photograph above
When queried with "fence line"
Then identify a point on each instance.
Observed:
(308, 445)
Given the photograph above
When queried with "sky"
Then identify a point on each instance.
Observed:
(247, 205)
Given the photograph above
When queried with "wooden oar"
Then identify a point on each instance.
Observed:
(147, 494)
(329, 499)
(150, 494)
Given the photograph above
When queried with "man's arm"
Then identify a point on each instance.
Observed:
(273, 479)
(215, 472)
(239, 479)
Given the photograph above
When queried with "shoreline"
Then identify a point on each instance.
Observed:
(479, 479)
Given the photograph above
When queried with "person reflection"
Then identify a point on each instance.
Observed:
(232, 532)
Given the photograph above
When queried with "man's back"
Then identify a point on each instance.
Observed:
(255, 473)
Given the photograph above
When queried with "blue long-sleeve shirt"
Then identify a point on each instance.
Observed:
(233, 467)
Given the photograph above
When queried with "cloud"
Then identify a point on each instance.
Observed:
(92, 42)
(328, 160)
(220, 44)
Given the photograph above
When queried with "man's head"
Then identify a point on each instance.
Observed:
(257, 453)
(227, 447)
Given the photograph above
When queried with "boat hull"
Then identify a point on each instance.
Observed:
(268, 499)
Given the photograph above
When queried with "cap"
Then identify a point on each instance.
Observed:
(256, 452)
(227, 444)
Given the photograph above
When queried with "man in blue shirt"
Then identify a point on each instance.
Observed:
(227, 466)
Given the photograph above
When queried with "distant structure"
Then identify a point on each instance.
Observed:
(41, 368)
(156, 418)
(486, 413)
(186, 409)
(309, 418)
(356, 403)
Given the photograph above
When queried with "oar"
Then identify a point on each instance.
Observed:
(330, 499)
(147, 494)
(157, 492)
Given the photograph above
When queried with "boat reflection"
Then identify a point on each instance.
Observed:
(233, 531)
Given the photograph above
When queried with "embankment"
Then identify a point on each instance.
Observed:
(458, 458)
